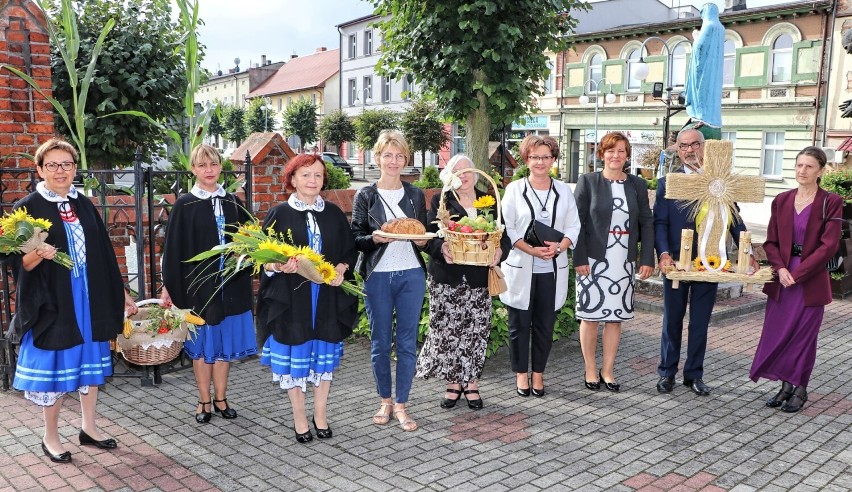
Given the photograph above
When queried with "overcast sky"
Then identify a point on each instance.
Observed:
(247, 29)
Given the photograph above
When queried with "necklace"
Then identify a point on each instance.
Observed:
(544, 213)
(805, 198)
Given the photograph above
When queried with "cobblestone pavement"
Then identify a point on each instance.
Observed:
(572, 439)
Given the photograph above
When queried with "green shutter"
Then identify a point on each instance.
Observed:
(752, 80)
(616, 87)
(576, 89)
(647, 84)
(807, 51)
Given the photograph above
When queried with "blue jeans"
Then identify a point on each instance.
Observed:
(388, 292)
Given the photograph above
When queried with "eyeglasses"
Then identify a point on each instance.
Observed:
(540, 158)
(54, 166)
(394, 157)
(687, 146)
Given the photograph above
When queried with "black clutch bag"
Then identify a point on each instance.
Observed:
(539, 232)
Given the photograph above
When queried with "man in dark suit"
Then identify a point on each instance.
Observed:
(670, 217)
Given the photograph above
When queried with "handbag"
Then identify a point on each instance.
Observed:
(834, 263)
(496, 281)
(539, 232)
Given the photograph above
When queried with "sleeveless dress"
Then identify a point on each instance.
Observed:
(607, 293)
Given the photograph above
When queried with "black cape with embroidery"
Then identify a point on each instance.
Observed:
(192, 230)
(284, 303)
(45, 304)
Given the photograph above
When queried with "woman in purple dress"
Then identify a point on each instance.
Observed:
(803, 234)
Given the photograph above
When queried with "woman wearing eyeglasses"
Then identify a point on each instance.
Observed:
(616, 216)
(537, 276)
(198, 222)
(394, 275)
(63, 335)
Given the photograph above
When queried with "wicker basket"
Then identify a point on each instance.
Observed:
(145, 349)
(471, 248)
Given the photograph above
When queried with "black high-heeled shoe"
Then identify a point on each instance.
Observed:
(592, 385)
(321, 433)
(538, 393)
(86, 439)
(796, 401)
(473, 404)
(525, 392)
(609, 386)
(305, 437)
(449, 402)
(783, 395)
(227, 412)
(56, 458)
(203, 417)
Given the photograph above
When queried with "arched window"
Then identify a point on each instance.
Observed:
(782, 58)
(595, 70)
(729, 62)
(550, 81)
(633, 83)
(679, 66)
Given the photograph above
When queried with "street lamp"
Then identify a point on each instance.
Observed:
(584, 99)
(642, 71)
(266, 107)
(367, 92)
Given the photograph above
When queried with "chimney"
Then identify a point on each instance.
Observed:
(321, 49)
(294, 55)
(262, 60)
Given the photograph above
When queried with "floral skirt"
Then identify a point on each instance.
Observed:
(459, 325)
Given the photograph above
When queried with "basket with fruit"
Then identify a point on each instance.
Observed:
(473, 241)
(155, 334)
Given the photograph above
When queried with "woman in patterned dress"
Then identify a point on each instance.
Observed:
(613, 207)
(459, 303)
(302, 324)
(198, 222)
(64, 338)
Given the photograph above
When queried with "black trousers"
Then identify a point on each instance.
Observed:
(533, 325)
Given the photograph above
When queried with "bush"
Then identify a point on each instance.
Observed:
(338, 179)
(429, 178)
(838, 181)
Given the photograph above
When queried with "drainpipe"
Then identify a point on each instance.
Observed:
(564, 152)
(830, 47)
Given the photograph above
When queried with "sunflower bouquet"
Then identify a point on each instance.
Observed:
(252, 247)
(21, 233)
(714, 262)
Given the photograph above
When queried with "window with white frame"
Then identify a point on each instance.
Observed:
(386, 89)
(731, 137)
(314, 98)
(633, 83)
(407, 88)
(368, 42)
(368, 87)
(679, 66)
(550, 81)
(782, 58)
(353, 46)
(773, 154)
(595, 70)
(729, 62)
(280, 103)
(353, 92)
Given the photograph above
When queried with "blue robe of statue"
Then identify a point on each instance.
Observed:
(703, 91)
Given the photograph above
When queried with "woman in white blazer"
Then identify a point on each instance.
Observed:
(537, 277)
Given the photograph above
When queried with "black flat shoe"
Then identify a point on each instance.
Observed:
(609, 386)
(321, 433)
(538, 393)
(448, 402)
(697, 386)
(783, 395)
(203, 417)
(665, 384)
(56, 458)
(473, 404)
(592, 385)
(525, 392)
(87, 440)
(227, 412)
(797, 401)
(304, 438)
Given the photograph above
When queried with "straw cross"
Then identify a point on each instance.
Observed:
(712, 195)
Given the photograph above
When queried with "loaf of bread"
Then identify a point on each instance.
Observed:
(403, 226)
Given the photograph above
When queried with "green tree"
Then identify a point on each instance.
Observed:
(336, 128)
(258, 118)
(370, 123)
(422, 128)
(140, 69)
(482, 59)
(216, 128)
(235, 128)
(300, 118)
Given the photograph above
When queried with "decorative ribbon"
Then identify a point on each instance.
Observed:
(724, 216)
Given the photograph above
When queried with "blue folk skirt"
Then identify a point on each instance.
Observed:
(232, 339)
(63, 371)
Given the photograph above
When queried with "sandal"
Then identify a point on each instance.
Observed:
(382, 417)
(406, 422)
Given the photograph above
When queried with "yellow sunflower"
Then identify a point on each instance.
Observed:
(310, 254)
(713, 261)
(248, 227)
(327, 271)
(485, 201)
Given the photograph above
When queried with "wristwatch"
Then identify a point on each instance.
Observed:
(558, 250)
